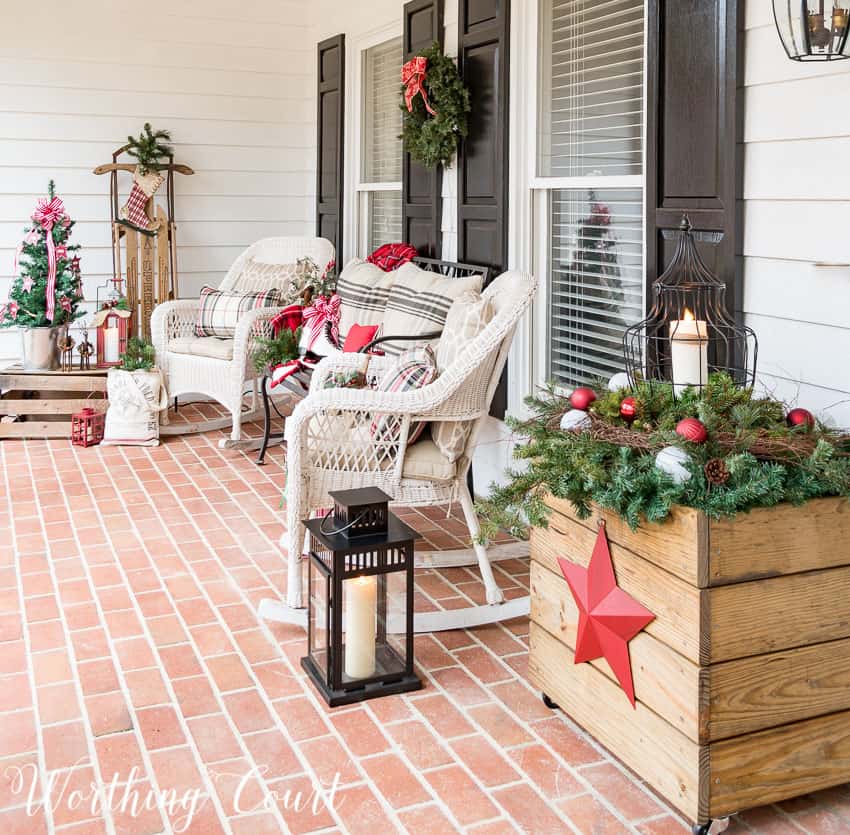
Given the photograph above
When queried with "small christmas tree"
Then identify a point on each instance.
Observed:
(47, 290)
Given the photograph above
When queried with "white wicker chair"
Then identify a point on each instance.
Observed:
(226, 377)
(330, 447)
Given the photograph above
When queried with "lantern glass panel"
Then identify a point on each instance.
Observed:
(374, 607)
(813, 30)
(320, 615)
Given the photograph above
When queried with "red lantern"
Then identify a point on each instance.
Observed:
(87, 427)
(113, 328)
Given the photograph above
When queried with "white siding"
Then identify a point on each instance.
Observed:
(796, 212)
(234, 83)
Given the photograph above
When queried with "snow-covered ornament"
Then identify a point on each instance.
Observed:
(26, 284)
(575, 420)
(619, 381)
(673, 461)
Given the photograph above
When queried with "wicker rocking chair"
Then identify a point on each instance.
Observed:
(221, 369)
(330, 447)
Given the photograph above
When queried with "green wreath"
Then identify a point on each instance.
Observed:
(433, 140)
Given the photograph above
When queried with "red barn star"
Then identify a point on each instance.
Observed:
(608, 617)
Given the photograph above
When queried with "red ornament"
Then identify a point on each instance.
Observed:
(87, 427)
(608, 617)
(801, 417)
(581, 398)
(692, 430)
(628, 409)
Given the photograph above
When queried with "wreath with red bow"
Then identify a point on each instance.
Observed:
(435, 104)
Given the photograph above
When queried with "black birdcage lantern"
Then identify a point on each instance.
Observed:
(360, 617)
(813, 30)
(689, 332)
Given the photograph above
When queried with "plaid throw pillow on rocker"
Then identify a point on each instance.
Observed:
(413, 369)
(220, 311)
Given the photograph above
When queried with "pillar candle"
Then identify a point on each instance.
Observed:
(689, 352)
(361, 616)
(110, 345)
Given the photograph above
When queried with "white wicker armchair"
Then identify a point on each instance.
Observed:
(216, 368)
(330, 446)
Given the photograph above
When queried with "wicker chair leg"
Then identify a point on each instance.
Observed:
(236, 411)
(494, 593)
(294, 537)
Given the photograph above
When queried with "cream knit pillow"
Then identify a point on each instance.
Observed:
(467, 317)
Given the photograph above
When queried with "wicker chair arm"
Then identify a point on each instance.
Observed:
(252, 326)
(173, 320)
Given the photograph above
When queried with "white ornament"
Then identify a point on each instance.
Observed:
(673, 461)
(575, 420)
(619, 381)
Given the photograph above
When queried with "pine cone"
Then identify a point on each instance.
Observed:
(716, 471)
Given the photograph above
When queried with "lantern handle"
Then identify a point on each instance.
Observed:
(342, 529)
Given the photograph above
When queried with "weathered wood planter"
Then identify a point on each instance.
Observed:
(743, 678)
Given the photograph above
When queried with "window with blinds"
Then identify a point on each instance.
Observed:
(590, 166)
(381, 145)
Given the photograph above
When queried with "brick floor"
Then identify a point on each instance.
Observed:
(130, 651)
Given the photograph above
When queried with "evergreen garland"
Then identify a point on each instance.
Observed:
(433, 140)
(139, 356)
(149, 148)
(27, 305)
(579, 467)
(273, 351)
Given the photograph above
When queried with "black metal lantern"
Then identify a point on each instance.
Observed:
(689, 332)
(813, 30)
(360, 618)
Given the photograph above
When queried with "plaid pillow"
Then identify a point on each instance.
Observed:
(413, 370)
(220, 311)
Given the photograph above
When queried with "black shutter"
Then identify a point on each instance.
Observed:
(422, 187)
(694, 132)
(482, 216)
(330, 143)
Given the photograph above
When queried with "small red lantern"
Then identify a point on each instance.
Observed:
(113, 328)
(87, 427)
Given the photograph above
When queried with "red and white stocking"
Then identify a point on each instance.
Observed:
(144, 187)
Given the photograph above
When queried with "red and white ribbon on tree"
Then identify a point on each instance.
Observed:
(47, 213)
(413, 77)
(322, 311)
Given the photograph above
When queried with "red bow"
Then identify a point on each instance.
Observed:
(46, 214)
(322, 310)
(412, 76)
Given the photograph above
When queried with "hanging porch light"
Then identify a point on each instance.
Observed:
(813, 30)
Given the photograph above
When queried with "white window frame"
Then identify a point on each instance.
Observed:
(356, 211)
(530, 218)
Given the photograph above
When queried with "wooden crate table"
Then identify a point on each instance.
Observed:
(44, 401)
(742, 680)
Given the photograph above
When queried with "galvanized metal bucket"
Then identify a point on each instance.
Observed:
(40, 348)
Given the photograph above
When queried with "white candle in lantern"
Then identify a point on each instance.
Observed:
(361, 617)
(688, 352)
(110, 345)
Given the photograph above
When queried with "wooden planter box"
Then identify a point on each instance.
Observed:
(743, 678)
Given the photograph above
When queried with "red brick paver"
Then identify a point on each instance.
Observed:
(130, 647)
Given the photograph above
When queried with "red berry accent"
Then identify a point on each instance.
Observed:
(581, 398)
(692, 430)
(801, 417)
